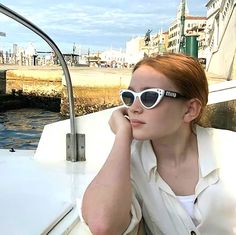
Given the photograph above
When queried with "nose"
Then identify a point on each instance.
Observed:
(136, 107)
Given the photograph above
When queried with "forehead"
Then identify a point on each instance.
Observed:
(147, 77)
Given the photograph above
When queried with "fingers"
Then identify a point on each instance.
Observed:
(120, 113)
(119, 119)
(122, 110)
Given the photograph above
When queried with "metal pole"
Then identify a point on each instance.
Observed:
(182, 22)
(75, 149)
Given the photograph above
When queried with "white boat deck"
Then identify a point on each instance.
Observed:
(38, 188)
(30, 190)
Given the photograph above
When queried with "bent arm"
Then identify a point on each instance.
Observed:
(107, 201)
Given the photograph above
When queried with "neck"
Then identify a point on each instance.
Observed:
(177, 148)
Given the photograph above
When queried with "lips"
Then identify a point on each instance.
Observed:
(136, 122)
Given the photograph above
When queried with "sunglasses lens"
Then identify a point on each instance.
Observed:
(149, 98)
(127, 98)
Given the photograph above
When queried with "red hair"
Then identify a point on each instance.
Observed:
(185, 72)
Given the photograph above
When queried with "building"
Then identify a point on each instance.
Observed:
(113, 58)
(30, 55)
(200, 32)
(134, 50)
(197, 23)
(221, 38)
(159, 43)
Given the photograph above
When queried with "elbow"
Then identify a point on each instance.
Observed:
(104, 222)
(98, 224)
(103, 225)
(99, 227)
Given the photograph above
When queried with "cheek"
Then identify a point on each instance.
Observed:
(167, 117)
(160, 121)
(167, 111)
(174, 110)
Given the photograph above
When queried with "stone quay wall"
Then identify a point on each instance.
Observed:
(36, 82)
(94, 89)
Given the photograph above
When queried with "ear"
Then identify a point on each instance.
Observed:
(193, 109)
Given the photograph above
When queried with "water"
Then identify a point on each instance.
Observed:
(22, 128)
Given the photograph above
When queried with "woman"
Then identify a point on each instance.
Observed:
(164, 169)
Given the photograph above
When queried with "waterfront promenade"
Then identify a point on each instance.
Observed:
(87, 71)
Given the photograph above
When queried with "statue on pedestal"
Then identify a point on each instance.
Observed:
(147, 37)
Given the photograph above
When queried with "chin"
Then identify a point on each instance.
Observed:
(141, 134)
(141, 138)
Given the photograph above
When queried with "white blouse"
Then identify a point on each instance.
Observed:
(214, 206)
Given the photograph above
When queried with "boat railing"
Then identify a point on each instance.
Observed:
(75, 143)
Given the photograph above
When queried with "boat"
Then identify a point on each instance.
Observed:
(41, 190)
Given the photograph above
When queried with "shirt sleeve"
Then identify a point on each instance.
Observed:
(136, 216)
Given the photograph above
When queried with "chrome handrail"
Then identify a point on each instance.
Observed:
(75, 142)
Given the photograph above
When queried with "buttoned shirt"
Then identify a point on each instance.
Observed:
(215, 194)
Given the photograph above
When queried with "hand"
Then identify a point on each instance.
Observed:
(119, 122)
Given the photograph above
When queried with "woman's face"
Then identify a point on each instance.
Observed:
(164, 120)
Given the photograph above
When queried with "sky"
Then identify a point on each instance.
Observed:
(94, 25)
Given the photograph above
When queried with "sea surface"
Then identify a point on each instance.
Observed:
(22, 128)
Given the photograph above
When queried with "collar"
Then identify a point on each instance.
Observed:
(148, 158)
(209, 149)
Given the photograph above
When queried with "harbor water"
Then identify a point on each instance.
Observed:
(22, 128)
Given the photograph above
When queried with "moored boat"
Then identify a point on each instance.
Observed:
(41, 191)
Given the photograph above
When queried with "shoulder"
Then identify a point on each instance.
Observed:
(216, 147)
(217, 137)
(214, 130)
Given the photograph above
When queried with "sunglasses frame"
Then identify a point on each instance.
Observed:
(161, 94)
